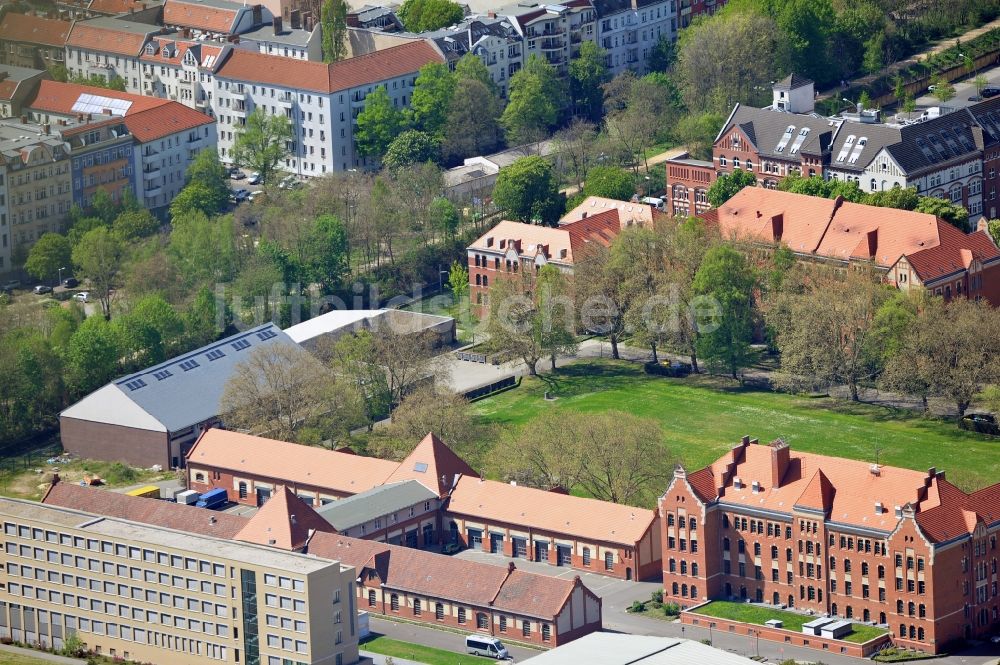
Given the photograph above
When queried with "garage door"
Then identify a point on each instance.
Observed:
(565, 555)
(475, 539)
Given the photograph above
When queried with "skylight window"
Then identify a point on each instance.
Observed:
(162, 374)
(188, 365)
(267, 334)
(240, 344)
(420, 467)
(215, 354)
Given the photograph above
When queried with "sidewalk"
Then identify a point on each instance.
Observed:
(939, 46)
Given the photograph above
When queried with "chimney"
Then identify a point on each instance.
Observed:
(296, 19)
(584, 215)
(873, 242)
(737, 483)
(777, 226)
(45, 128)
(276, 23)
(780, 454)
(307, 21)
(879, 508)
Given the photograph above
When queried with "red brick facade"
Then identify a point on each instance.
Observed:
(930, 579)
(687, 189)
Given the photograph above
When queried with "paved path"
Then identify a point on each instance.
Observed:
(939, 46)
(433, 637)
(39, 655)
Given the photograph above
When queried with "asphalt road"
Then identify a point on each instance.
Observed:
(963, 90)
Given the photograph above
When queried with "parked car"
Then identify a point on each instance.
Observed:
(70, 283)
(451, 547)
(82, 296)
(990, 92)
(237, 175)
(254, 178)
(995, 639)
(42, 289)
(975, 98)
(240, 195)
(10, 286)
(483, 645)
(290, 182)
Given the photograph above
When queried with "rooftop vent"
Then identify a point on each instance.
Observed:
(737, 484)
(755, 486)
(879, 508)
(899, 511)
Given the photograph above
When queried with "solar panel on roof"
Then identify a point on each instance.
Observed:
(135, 384)
(214, 354)
(87, 103)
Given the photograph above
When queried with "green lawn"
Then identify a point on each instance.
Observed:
(7, 658)
(759, 615)
(420, 653)
(703, 417)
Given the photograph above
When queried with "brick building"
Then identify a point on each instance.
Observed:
(890, 546)
(562, 530)
(913, 249)
(391, 580)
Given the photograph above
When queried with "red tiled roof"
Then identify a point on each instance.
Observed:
(164, 120)
(535, 595)
(245, 65)
(148, 118)
(434, 465)
(285, 521)
(8, 88)
(96, 38)
(599, 229)
(846, 490)
(56, 97)
(842, 230)
(178, 51)
(34, 29)
(557, 513)
(200, 16)
(146, 511)
(113, 7)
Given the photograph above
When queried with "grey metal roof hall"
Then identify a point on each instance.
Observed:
(176, 394)
(377, 502)
(625, 649)
(780, 135)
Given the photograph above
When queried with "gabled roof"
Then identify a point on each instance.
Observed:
(363, 507)
(769, 131)
(562, 244)
(284, 521)
(818, 494)
(293, 463)
(114, 7)
(559, 513)
(32, 29)
(16, 77)
(165, 120)
(792, 82)
(180, 392)
(434, 465)
(363, 70)
(218, 16)
(111, 35)
(955, 252)
(56, 97)
(857, 144)
(166, 514)
(953, 137)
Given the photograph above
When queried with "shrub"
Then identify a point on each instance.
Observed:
(657, 596)
(671, 609)
(637, 606)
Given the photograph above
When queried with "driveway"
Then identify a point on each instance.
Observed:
(435, 637)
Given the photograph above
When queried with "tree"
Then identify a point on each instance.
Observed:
(262, 143)
(470, 67)
(726, 186)
(909, 104)
(527, 191)
(377, 124)
(638, 112)
(458, 280)
(411, 147)
(444, 216)
(324, 252)
(98, 81)
(953, 213)
(751, 45)
(827, 334)
(48, 255)
(432, 94)
(32, 390)
(427, 15)
(587, 73)
(807, 26)
(134, 224)
(576, 149)
(980, 82)
(98, 258)
(91, 357)
(727, 283)
(662, 55)
(612, 456)
(280, 390)
(943, 91)
(203, 249)
(138, 342)
(103, 207)
(333, 17)
(604, 291)
(536, 97)
(449, 416)
(609, 182)
(59, 72)
(154, 311)
(208, 171)
(530, 317)
(472, 127)
(993, 227)
(874, 58)
(697, 133)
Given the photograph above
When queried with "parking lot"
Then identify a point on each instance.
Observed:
(964, 89)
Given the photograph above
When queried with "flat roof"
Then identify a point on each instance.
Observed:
(290, 36)
(691, 162)
(376, 502)
(623, 649)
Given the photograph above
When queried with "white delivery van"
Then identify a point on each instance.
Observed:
(484, 645)
(653, 201)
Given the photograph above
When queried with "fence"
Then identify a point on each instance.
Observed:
(493, 388)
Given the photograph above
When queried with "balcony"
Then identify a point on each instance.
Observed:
(552, 44)
(240, 110)
(151, 174)
(150, 192)
(286, 99)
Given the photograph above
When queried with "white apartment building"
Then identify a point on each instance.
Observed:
(492, 40)
(545, 30)
(109, 47)
(629, 29)
(181, 71)
(321, 100)
(174, 597)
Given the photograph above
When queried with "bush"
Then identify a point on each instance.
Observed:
(73, 646)
(119, 474)
(637, 606)
(671, 609)
(657, 596)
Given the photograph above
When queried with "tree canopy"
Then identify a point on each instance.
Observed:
(527, 190)
(426, 15)
(726, 186)
(378, 124)
(262, 143)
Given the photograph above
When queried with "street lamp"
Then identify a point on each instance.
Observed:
(60, 274)
(440, 282)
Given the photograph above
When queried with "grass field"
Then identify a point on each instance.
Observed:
(7, 658)
(759, 615)
(702, 418)
(420, 653)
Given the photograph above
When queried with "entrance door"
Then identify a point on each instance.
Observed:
(542, 552)
(496, 543)
(263, 495)
(475, 539)
(411, 538)
(428, 535)
(564, 554)
(520, 548)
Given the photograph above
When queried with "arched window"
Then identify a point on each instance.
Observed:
(899, 607)
(243, 490)
(775, 598)
(922, 612)
(684, 567)
(486, 280)
(736, 162)
(788, 554)
(791, 600)
(479, 280)
(874, 185)
(722, 160)
(920, 634)
(881, 618)
(774, 552)
(850, 612)
(725, 544)
(684, 590)
(756, 549)
(864, 567)
(673, 589)
(694, 591)
(749, 165)
(911, 608)
(913, 631)
(833, 609)
(694, 571)
(866, 616)
(881, 572)
(902, 630)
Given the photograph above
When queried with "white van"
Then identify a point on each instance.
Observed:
(483, 645)
(653, 201)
